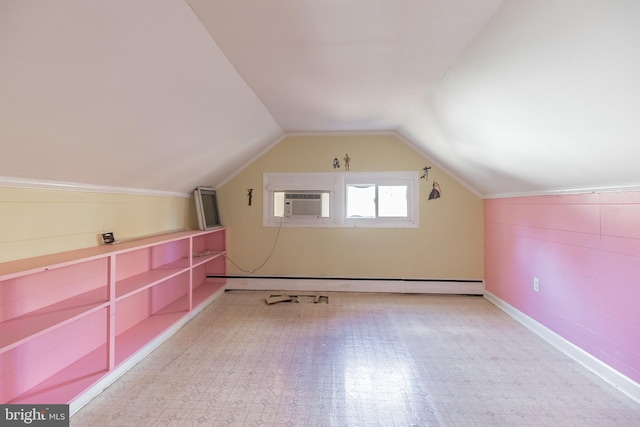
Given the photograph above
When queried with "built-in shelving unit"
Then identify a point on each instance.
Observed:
(74, 321)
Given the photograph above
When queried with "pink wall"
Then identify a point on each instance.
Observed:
(585, 249)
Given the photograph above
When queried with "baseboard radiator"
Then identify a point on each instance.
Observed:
(355, 284)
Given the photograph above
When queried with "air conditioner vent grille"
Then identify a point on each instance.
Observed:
(303, 196)
(303, 204)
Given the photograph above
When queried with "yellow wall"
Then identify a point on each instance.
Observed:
(447, 245)
(38, 222)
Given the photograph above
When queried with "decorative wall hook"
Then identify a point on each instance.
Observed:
(425, 174)
(249, 195)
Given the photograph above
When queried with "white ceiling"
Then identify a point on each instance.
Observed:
(512, 97)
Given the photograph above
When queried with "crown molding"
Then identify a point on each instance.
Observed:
(569, 191)
(35, 184)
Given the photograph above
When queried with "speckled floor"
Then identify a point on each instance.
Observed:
(360, 360)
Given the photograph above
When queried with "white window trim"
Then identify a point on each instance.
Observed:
(335, 183)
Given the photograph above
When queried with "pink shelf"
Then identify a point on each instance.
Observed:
(26, 266)
(133, 339)
(139, 282)
(69, 383)
(16, 331)
(136, 337)
(199, 260)
(205, 290)
(153, 280)
(182, 263)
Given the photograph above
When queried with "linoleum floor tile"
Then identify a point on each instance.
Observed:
(360, 360)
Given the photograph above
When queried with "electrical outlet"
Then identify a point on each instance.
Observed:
(536, 284)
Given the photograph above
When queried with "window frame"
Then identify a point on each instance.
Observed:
(408, 179)
(335, 184)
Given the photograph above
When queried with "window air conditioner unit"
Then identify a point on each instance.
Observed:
(302, 204)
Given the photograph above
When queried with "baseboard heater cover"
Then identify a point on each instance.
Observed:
(354, 284)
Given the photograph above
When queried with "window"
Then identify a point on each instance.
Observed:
(382, 199)
(341, 199)
(376, 201)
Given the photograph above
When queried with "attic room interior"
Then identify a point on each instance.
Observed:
(490, 276)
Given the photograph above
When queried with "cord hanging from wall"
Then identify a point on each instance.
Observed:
(267, 258)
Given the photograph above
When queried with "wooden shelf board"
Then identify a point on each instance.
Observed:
(23, 267)
(205, 290)
(139, 282)
(133, 339)
(182, 263)
(69, 383)
(180, 305)
(203, 259)
(15, 331)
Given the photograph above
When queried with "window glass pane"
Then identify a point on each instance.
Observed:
(361, 201)
(392, 200)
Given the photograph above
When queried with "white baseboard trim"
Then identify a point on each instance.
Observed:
(623, 383)
(114, 375)
(359, 285)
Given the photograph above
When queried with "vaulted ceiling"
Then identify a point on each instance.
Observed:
(511, 97)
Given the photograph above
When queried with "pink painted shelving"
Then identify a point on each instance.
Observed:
(69, 320)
